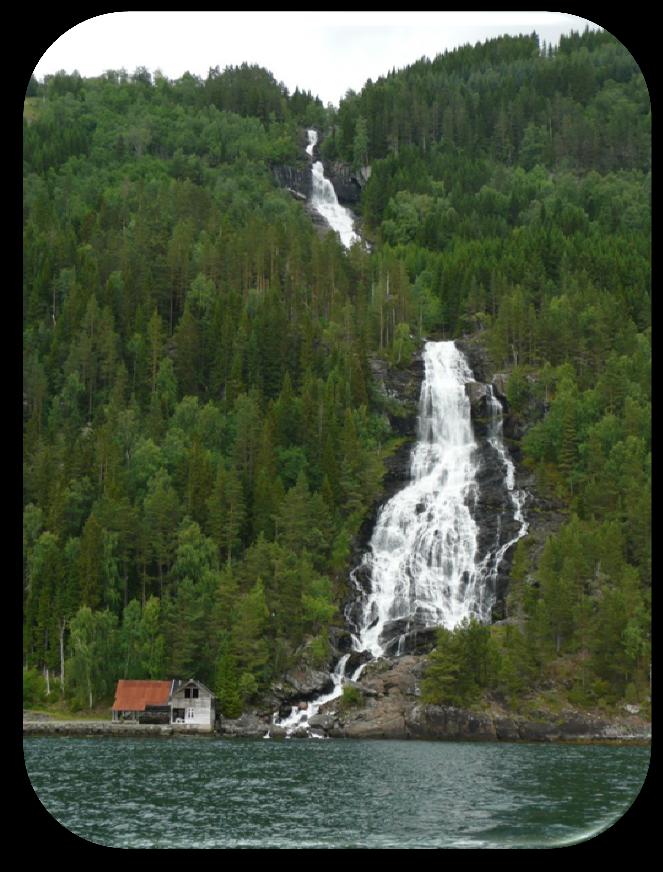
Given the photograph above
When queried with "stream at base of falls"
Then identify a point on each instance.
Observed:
(423, 559)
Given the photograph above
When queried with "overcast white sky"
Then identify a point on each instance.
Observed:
(323, 52)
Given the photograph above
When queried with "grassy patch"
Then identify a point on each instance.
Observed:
(351, 698)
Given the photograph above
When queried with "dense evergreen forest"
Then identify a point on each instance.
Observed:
(202, 435)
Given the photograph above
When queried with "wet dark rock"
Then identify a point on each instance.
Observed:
(296, 179)
(355, 660)
(506, 730)
(347, 183)
(407, 636)
(362, 577)
(477, 357)
(447, 722)
(284, 710)
(340, 639)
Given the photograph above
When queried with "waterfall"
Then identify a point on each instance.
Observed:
(492, 562)
(324, 200)
(423, 553)
(301, 717)
(424, 562)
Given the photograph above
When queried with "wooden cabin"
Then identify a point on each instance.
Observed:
(194, 704)
(186, 703)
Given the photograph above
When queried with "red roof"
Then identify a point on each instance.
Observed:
(133, 696)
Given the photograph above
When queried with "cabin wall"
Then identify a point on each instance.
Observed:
(202, 709)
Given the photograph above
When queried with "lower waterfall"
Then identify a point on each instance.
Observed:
(424, 562)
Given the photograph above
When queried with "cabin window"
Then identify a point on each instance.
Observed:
(187, 693)
(194, 692)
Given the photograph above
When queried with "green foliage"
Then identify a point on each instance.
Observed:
(464, 661)
(34, 688)
(93, 667)
(202, 435)
(351, 698)
(227, 687)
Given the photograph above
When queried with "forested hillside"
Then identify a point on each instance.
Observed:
(202, 436)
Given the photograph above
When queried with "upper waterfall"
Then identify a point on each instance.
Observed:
(324, 200)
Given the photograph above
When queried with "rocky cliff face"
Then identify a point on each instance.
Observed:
(544, 514)
(398, 390)
(295, 179)
(347, 183)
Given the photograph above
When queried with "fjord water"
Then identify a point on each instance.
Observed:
(189, 792)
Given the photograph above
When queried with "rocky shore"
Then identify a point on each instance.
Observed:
(390, 707)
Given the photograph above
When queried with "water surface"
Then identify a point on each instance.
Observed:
(193, 792)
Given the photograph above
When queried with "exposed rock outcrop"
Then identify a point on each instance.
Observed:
(296, 179)
(248, 725)
(302, 684)
(397, 390)
(391, 708)
(347, 184)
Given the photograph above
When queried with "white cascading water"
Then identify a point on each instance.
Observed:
(423, 561)
(324, 200)
(491, 563)
(300, 717)
(422, 556)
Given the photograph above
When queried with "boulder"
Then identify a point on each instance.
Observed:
(448, 722)
(355, 660)
(301, 732)
(379, 719)
(303, 684)
(247, 725)
(322, 721)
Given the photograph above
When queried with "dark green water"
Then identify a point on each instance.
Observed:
(215, 793)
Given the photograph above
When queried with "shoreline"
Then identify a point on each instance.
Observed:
(93, 729)
(46, 727)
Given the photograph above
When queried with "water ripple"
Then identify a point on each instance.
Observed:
(340, 793)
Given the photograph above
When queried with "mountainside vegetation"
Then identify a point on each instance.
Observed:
(203, 439)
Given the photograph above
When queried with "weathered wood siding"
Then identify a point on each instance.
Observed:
(198, 712)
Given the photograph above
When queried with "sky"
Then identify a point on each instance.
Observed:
(323, 52)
